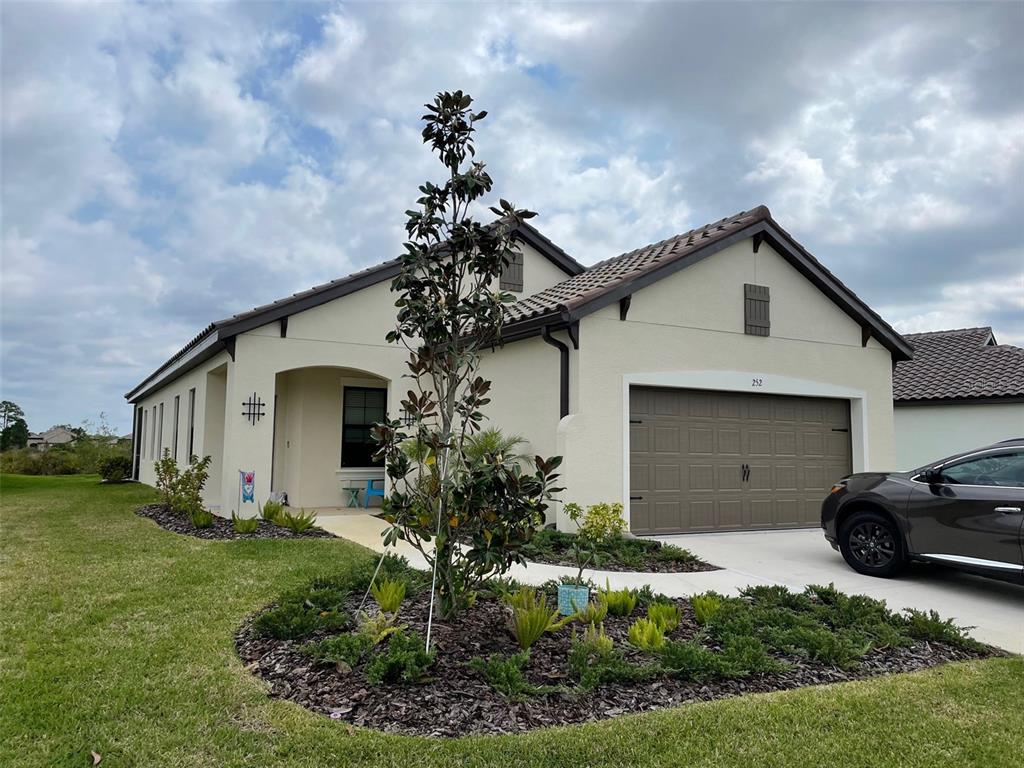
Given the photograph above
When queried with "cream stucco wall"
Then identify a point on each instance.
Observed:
(926, 433)
(687, 331)
(197, 378)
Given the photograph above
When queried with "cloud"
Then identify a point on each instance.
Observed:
(167, 165)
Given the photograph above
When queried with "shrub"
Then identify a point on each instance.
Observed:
(505, 674)
(594, 661)
(167, 477)
(342, 649)
(595, 641)
(182, 490)
(930, 626)
(293, 621)
(688, 660)
(379, 626)
(592, 613)
(404, 660)
(670, 553)
(665, 615)
(116, 469)
(245, 525)
(646, 635)
(297, 522)
(745, 656)
(777, 596)
(531, 617)
(705, 607)
(201, 518)
(389, 594)
(620, 602)
(272, 511)
(841, 648)
(597, 528)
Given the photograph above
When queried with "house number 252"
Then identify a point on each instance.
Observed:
(757, 382)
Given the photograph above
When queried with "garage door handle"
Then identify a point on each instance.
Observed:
(1008, 510)
(636, 498)
(839, 430)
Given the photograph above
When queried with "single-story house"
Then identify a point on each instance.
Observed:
(53, 436)
(962, 390)
(721, 379)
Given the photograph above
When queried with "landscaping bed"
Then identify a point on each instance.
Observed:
(617, 554)
(768, 640)
(223, 528)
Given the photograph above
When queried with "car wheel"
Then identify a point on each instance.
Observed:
(872, 544)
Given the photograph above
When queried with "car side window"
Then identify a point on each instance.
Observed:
(999, 470)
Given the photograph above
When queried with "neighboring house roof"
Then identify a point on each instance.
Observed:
(619, 277)
(219, 335)
(958, 365)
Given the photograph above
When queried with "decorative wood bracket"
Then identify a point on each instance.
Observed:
(865, 335)
(284, 327)
(758, 239)
(574, 334)
(624, 303)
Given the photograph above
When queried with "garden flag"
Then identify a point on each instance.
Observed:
(248, 481)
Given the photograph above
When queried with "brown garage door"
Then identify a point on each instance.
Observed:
(723, 461)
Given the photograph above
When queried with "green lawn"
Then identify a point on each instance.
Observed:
(116, 637)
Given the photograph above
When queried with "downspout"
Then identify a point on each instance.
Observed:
(563, 372)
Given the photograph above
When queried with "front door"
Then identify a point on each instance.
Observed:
(973, 514)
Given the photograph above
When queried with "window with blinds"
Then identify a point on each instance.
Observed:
(512, 276)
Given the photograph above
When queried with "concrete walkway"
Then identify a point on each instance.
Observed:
(792, 558)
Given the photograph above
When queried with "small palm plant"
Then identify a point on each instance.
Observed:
(531, 616)
(389, 594)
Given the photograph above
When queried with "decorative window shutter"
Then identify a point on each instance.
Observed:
(512, 276)
(756, 318)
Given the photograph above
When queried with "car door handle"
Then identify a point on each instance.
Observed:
(1008, 510)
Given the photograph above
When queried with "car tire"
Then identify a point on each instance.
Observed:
(872, 544)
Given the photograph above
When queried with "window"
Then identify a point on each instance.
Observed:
(152, 435)
(756, 321)
(512, 275)
(160, 433)
(1001, 470)
(142, 435)
(362, 408)
(191, 423)
(174, 447)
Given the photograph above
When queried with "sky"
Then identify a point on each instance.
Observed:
(167, 165)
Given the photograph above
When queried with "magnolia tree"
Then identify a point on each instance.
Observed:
(467, 511)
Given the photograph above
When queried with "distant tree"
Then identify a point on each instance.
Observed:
(14, 435)
(9, 412)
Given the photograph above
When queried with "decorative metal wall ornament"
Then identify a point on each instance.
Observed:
(252, 409)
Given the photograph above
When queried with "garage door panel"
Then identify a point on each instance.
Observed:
(729, 443)
(705, 460)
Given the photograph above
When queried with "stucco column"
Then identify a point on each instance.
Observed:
(248, 429)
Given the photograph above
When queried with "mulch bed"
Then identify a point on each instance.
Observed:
(457, 701)
(222, 528)
(644, 556)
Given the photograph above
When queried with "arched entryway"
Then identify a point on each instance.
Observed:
(322, 441)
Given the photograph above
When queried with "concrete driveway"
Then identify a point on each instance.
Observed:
(799, 558)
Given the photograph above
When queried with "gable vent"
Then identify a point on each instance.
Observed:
(756, 320)
(512, 276)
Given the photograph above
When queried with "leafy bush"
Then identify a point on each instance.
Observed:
(182, 490)
(389, 594)
(745, 656)
(841, 648)
(665, 615)
(705, 607)
(297, 522)
(597, 528)
(378, 626)
(245, 525)
(505, 674)
(116, 469)
(272, 511)
(531, 617)
(201, 518)
(347, 649)
(646, 635)
(404, 660)
(620, 602)
(929, 626)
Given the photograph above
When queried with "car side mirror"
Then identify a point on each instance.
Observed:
(932, 476)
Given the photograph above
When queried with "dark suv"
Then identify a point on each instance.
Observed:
(964, 511)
